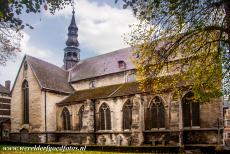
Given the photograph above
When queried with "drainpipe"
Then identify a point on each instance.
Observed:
(45, 120)
(218, 132)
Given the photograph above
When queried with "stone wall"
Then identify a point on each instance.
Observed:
(105, 80)
(35, 103)
(36, 107)
(75, 138)
(210, 113)
(51, 100)
(172, 134)
(39, 137)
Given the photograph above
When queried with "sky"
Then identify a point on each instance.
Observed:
(102, 26)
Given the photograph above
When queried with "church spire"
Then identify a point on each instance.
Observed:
(72, 52)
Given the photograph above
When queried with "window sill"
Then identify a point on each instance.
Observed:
(192, 127)
(102, 131)
(127, 130)
(154, 129)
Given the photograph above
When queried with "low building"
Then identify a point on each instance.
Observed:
(5, 111)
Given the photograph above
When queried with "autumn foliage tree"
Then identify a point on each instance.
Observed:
(181, 43)
(11, 25)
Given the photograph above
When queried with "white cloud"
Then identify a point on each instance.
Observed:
(33, 50)
(100, 26)
(37, 51)
(9, 71)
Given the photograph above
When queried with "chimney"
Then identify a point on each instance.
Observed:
(7, 85)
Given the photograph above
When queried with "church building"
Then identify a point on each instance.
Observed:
(97, 101)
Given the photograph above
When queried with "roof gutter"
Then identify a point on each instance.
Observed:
(55, 91)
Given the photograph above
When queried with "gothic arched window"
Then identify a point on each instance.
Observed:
(25, 95)
(105, 117)
(157, 113)
(191, 111)
(66, 118)
(127, 115)
(80, 115)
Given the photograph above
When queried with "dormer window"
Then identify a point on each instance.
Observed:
(121, 64)
(92, 84)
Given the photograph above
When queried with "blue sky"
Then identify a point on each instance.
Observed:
(101, 25)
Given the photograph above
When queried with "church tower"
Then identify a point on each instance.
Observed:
(72, 52)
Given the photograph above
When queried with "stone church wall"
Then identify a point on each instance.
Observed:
(51, 100)
(106, 80)
(27, 132)
(35, 103)
(36, 127)
(211, 112)
(109, 137)
(172, 134)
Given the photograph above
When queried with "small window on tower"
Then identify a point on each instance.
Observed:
(121, 64)
(69, 54)
(25, 66)
(72, 31)
(75, 54)
(25, 70)
(92, 84)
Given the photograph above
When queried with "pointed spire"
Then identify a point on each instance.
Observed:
(72, 52)
(72, 32)
(73, 23)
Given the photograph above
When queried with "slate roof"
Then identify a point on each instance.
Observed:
(101, 65)
(49, 76)
(103, 92)
(3, 89)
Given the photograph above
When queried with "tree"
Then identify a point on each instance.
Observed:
(186, 40)
(11, 25)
